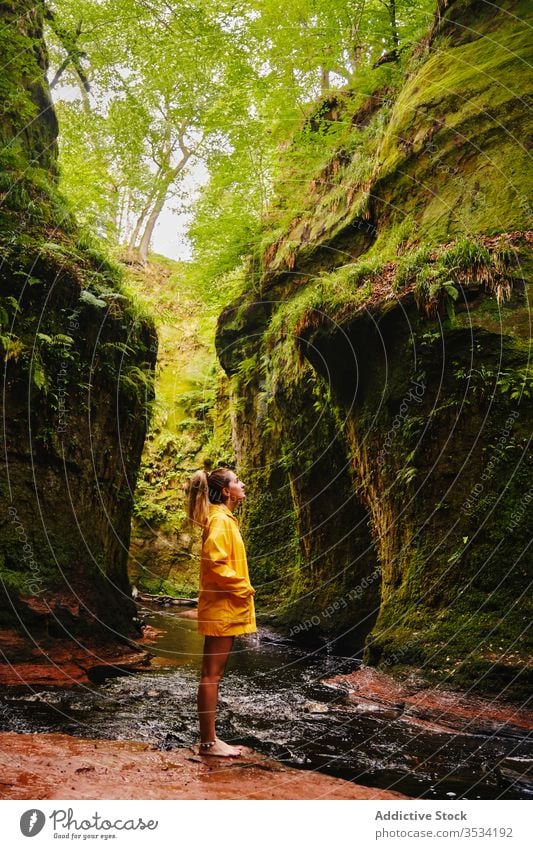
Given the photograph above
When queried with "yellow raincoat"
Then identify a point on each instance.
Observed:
(225, 603)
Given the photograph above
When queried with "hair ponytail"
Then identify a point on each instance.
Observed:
(198, 506)
(205, 488)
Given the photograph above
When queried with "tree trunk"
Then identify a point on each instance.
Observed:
(356, 47)
(121, 214)
(394, 24)
(69, 41)
(159, 203)
(132, 254)
(132, 244)
(146, 238)
(325, 74)
(357, 52)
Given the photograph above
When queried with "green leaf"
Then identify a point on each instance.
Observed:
(38, 374)
(87, 297)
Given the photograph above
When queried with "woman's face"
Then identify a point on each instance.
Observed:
(235, 489)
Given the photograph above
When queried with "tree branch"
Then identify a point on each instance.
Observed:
(68, 42)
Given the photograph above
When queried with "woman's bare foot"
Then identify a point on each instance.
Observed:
(219, 749)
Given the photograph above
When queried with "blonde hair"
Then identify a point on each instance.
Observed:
(205, 488)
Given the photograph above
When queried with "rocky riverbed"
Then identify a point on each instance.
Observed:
(310, 711)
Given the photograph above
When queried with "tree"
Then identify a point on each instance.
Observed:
(153, 76)
(225, 82)
(317, 52)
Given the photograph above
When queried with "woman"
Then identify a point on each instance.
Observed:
(225, 604)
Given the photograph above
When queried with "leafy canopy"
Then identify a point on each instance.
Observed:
(230, 84)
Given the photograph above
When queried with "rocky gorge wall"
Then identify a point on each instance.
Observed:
(78, 357)
(380, 370)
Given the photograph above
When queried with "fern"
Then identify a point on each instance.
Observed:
(91, 300)
(38, 374)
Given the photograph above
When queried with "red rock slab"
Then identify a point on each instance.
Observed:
(190, 613)
(149, 634)
(62, 663)
(445, 709)
(57, 766)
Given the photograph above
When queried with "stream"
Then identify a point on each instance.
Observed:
(272, 700)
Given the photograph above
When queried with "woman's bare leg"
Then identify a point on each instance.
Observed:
(216, 653)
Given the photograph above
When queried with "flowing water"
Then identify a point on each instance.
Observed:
(272, 700)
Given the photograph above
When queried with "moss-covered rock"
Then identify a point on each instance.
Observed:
(78, 358)
(380, 375)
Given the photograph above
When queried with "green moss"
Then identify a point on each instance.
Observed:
(271, 536)
(459, 93)
(453, 600)
(160, 586)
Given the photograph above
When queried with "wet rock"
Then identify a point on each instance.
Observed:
(315, 707)
(50, 698)
(368, 707)
(72, 463)
(61, 663)
(56, 766)
(345, 495)
(168, 600)
(373, 691)
(517, 771)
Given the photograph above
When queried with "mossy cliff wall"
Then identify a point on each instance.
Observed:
(28, 121)
(379, 364)
(77, 360)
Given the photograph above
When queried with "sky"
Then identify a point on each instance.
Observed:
(170, 238)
